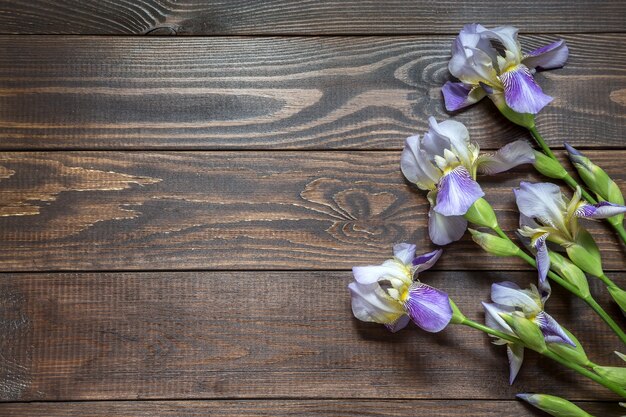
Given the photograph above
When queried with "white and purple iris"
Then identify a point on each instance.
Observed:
(489, 62)
(445, 163)
(509, 298)
(547, 216)
(390, 293)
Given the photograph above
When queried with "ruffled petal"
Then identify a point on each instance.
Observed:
(552, 331)
(547, 57)
(509, 294)
(521, 92)
(515, 354)
(405, 252)
(427, 260)
(509, 156)
(398, 324)
(428, 307)
(542, 201)
(457, 191)
(416, 166)
(458, 95)
(602, 210)
(445, 229)
(370, 303)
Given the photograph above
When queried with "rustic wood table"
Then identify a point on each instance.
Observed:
(179, 214)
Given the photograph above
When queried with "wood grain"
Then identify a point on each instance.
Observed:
(262, 335)
(317, 408)
(202, 17)
(239, 210)
(280, 93)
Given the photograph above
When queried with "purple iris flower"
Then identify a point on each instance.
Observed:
(509, 298)
(489, 62)
(392, 295)
(444, 162)
(546, 215)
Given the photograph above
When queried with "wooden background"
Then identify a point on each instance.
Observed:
(179, 214)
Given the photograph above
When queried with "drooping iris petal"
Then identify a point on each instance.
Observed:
(405, 252)
(458, 136)
(372, 273)
(459, 95)
(602, 210)
(552, 331)
(542, 258)
(457, 192)
(426, 261)
(547, 57)
(398, 324)
(509, 294)
(428, 307)
(493, 318)
(509, 156)
(445, 229)
(371, 303)
(543, 201)
(521, 92)
(416, 166)
(515, 353)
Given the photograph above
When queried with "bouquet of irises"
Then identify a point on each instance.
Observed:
(445, 164)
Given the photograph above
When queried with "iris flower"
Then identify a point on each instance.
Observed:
(390, 293)
(489, 62)
(546, 215)
(509, 298)
(445, 163)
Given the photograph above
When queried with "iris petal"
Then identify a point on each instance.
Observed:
(509, 294)
(372, 273)
(552, 331)
(543, 201)
(457, 192)
(427, 260)
(547, 57)
(370, 303)
(399, 324)
(459, 95)
(521, 92)
(509, 156)
(445, 229)
(515, 353)
(602, 210)
(405, 252)
(428, 307)
(542, 258)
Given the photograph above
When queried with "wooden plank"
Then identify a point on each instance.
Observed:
(302, 17)
(318, 408)
(280, 93)
(241, 210)
(261, 335)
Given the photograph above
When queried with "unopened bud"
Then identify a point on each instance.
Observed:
(481, 214)
(494, 244)
(569, 272)
(548, 166)
(553, 405)
(527, 331)
(614, 374)
(585, 254)
(571, 353)
(619, 295)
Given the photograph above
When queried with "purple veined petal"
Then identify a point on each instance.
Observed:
(428, 307)
(543, 259)
(457, 191)
(509, 294)
(370, 303)
(552, 331)
(515, 354)
(542, 201)
(427, 260)
(405, 252)
(399, 324)
(493, 318)
(458, 95)
(456, 133)
(547, 57)
(509, 156)
(521, 92)
(443, 230)
(602, 210)
(372, 273)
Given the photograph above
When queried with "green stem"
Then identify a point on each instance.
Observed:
(591, 302)
(607, 281)
(580, 369)
(619, 228)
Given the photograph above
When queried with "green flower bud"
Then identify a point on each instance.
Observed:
(619, 295)
(569, 272)
(457, 316)
(570, 353)
(526, 120)
(527, 331)
(585, 254)
(548, 166)
(481, 214)
(612, 373)
(494, 244)
(553, 405)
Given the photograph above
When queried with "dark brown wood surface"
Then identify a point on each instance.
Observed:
(179, 215)
(312, 17)
(280, 93)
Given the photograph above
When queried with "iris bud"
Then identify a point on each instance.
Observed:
(481, 214)
(569, 272)
(614, 374)
(548, 166)
(527, 331)
(555, 406)
(572, 354)
(494, 244)
(585, 254)
(619, 296)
